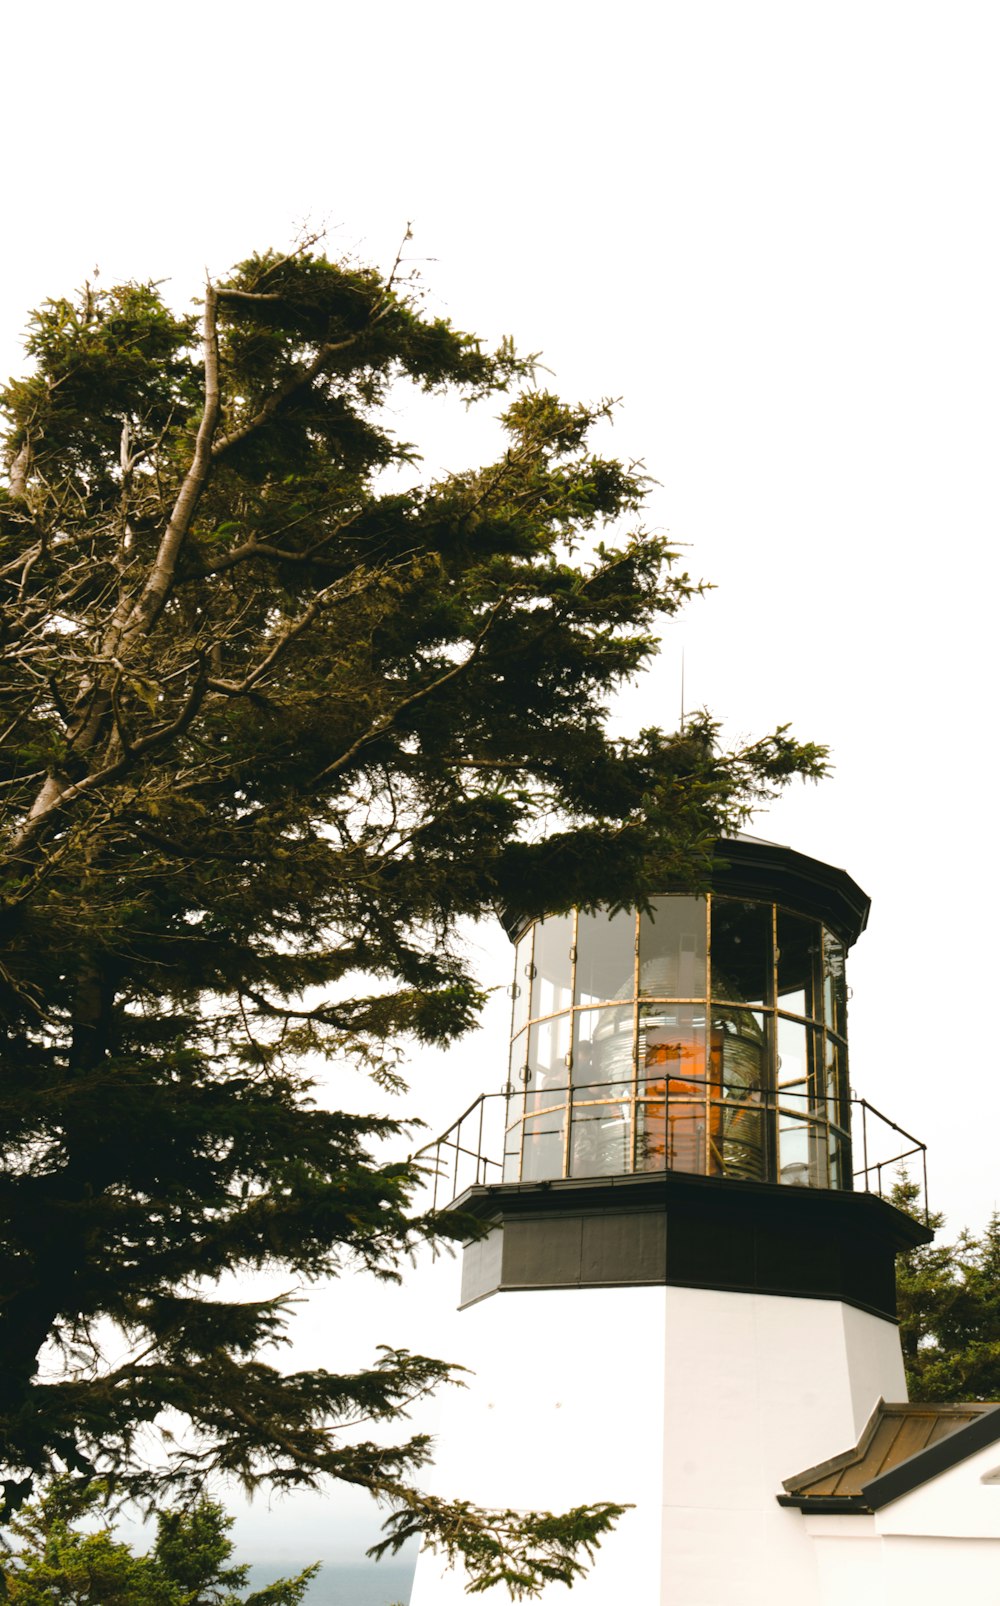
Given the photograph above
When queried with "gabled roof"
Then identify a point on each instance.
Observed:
(901, 1447)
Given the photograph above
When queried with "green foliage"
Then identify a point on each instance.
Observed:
(948, 1298)
(524, 1551)
(54, 1558)
(272, 725)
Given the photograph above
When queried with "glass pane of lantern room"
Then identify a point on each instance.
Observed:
(605, 957)
(739, 1050)
(603, 1069)
(603, 1054)
(548, 1063)
(671, 1042)
(514, 1108)
(522, 981)
(672, 948)
(739, 1067)
(672, 1112)
(834, 984)
(512, 1154)
(602, 1140)
(551, 987)
(798, 956)
(542, 1156)
(793, 1065)
(742, 956)
(793, 1151)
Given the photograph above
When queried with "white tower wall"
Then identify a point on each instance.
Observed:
(689, 1404)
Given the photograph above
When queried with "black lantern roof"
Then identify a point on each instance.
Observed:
(748, 867)
(767, 872)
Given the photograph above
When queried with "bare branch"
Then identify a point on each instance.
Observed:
(19, 468)
(226, 294)
(157, 588)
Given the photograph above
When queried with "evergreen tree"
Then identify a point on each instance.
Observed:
(948, 1300)
(272, 723)
(58, 1554)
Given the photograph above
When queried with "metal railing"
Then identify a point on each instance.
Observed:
(470, 1153)
(894, 1163)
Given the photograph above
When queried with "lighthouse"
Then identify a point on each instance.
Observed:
(685, 1290)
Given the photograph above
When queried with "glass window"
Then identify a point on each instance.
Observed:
(548, 1056)
(551, 987)
(672, 948)
(834, 983)
(793, 1051)
(674, 1109)
(543, 1146)
(602, 1048)
(833, 1086)
(739, 1136)
(737, 1130)
(742, 951)
(517, 1079)
(739, 1049)
(522, 981)
(819, 1156)
(798, 956)
(512, 1154)
(672, 1121)
(512, 1138)
(601, 1142)
(671, 1042)
(836, 1164)
(605, 957)
(793, 1150)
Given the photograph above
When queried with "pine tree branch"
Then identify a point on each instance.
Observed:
(55, 802)
(298, 382)
(383, 726)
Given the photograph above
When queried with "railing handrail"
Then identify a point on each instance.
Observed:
(450, 1141)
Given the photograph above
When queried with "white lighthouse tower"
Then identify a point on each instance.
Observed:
(683, 1299)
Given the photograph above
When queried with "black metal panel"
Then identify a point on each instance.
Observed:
(692, 1232)
(626, 1247)
(538, 1254)
(481, 1266)
(710, 1246)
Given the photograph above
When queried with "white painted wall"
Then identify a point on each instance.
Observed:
(957, 1503)
(758, 1387)
(565, 1408)
(937, 1544)
(692, 1404)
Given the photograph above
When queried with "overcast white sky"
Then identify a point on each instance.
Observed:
(772, 228)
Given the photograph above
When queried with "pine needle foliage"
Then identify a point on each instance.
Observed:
(270, 727)
(948, 1299)
(61, 1551)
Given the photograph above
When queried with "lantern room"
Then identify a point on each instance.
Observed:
(704, 1035)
